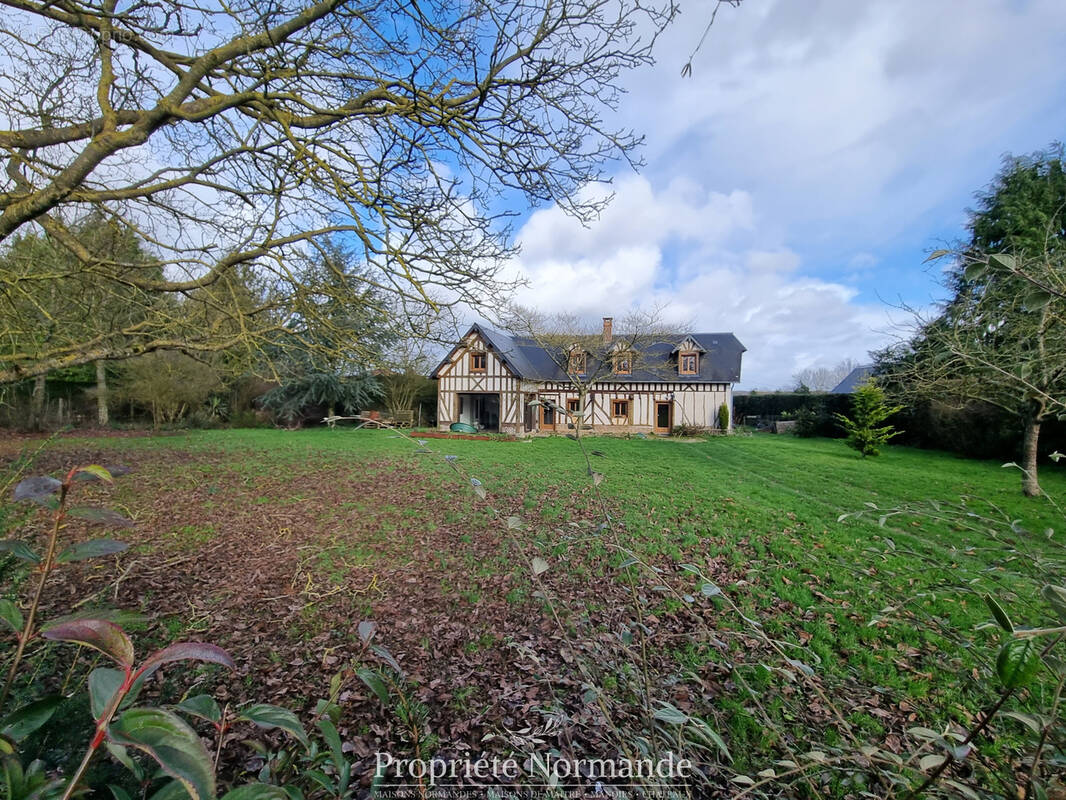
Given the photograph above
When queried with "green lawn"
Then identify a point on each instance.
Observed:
(868, 604)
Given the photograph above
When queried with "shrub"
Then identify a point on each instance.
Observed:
(685, 429)
(319, 394)
(170, 385)
(723, 417)
(250, 419)
(202, 418)
(864, 429)
(810, 420)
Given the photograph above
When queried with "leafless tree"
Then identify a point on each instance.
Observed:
(823, 379)
(238, 135)
(409, 362)
(168, 384)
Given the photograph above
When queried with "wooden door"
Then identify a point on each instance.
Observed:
(548, 417)
(663, 414)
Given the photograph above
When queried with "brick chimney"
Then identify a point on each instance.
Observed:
(608, 324)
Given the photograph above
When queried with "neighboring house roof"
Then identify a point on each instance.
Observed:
(719, 361)
(854, 379)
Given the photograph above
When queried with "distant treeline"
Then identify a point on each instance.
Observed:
(152, 397)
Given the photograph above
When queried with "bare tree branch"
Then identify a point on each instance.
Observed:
(233, 137)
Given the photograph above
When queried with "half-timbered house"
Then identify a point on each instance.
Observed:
(510, 384)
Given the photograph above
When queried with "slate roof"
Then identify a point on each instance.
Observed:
(719, 363)
(853, 380)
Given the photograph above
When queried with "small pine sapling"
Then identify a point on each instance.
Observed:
(869, 409)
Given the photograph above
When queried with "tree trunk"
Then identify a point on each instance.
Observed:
(1030, 483)
(101, 395)
(579, 417)
(37, 405)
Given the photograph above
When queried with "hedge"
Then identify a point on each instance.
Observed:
(814, 412)
(979, 430)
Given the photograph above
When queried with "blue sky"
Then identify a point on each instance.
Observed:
(796, 181)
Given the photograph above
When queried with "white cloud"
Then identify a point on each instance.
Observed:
(772, 261)
(685, 210)
(849, 122)
(721, 277)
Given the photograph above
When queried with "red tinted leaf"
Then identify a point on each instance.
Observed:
(187, 651)
(99, 634)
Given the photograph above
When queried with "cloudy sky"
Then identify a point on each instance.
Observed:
(795, 183)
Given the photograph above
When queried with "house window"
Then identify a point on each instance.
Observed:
(478, 362)
(622, 365)
(619, 411)
(577, 362)
(688, 364)
(573, 405)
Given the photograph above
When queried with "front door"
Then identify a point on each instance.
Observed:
(662, 417)
(547, 417)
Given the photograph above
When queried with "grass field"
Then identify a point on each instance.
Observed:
(275, 544)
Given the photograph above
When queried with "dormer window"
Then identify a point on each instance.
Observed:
(577, 363)
(478, 362)
(688, 356)
(623, 364)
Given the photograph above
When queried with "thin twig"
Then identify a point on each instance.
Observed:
(686, 70)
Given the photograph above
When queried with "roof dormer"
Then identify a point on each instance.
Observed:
(690, 345)
(688, 356)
